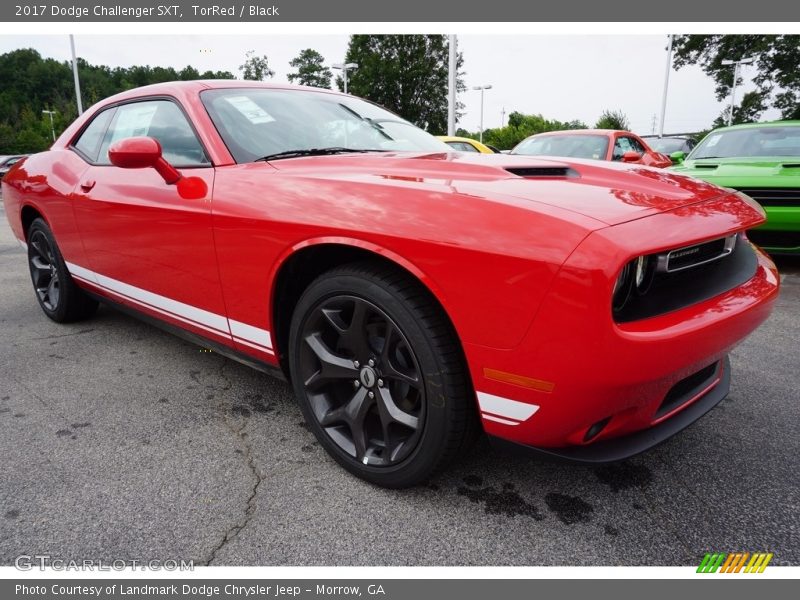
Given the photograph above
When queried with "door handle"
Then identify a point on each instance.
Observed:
(87, 185)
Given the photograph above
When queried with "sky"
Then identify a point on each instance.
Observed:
(562, 77)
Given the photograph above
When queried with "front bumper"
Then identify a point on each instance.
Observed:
(626, 446)
(576, 369)
(781, 233)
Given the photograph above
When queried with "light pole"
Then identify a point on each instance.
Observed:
(482, 89)
(666, 86)
(345, 67)
(75, 76)
(52, 127)
(736, 63)
(451, 84)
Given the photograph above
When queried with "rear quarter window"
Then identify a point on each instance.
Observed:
(88, 143)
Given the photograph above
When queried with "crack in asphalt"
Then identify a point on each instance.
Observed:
(247, 453)
(63, 335)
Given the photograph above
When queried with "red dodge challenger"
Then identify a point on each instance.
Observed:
(412, 296)
(599, 144)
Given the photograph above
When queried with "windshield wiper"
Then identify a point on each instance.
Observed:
(315, 152)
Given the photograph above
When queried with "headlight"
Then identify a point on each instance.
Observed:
(622, 287)
(637, 275)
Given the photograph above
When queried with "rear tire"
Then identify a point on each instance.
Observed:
(55, 290)
(380, 375)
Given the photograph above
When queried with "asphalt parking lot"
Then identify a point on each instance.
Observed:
(119, 441)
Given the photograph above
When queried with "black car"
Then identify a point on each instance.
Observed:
(6, 162)
(669, 145)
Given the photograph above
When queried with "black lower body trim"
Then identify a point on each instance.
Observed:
(625, 447)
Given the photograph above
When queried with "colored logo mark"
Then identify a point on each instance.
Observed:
(736, 562)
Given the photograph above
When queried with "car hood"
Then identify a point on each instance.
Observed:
(744, 172)
(607, 192)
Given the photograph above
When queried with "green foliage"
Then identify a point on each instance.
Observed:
(255, 68)
(407, 74)
(32, 84)
(613, 119)
(777, 77)
(311, 69)
(519, 127)
(748, 111)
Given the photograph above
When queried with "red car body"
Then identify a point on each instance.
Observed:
(647, 156)
(522, 254)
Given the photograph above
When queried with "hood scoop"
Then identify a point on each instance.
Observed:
(708, 166)
(532, 172)
(791, 165)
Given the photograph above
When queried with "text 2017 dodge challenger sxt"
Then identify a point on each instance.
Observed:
(412, 295)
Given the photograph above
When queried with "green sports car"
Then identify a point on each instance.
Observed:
(763, 161)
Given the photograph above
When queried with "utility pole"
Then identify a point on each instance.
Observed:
(666, 87)
(451, 86)
(75, 77)
(653, 125)
(503, 117)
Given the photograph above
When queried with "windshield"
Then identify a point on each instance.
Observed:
(259, 122)
(667, 145)
(750, 142)
(572, 145)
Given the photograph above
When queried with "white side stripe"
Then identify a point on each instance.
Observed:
(489, 417)
(82, 273)
(251, 336)
(250, 333)
(503, 407)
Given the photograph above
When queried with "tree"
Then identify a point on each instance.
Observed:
(777, 77)
(311, 69)
(613, 119)
(407, 74)
(32, 83)
(521, 126)
(255, 68)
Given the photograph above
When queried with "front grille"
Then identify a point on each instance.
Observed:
(774, 197)
(696, 255)
(674, 290)
(775, 240)
(688, 388)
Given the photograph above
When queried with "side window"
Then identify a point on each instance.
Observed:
(621, 146)
(89, 141)
(635, 145)
(462, 146)
(159, 119)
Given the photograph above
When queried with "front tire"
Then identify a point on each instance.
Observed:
(56, 292)
(380, 376)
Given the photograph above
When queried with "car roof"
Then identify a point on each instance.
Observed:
(455, 138)
(584, 132)
(196, 86)
(790, 123)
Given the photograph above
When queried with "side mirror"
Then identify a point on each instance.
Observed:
(678, 157)
(145, 152)
(141, 153)
(631, 156)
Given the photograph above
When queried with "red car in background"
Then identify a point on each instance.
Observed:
(411, 295)
(597, 144)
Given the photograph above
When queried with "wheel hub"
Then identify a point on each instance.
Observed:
(368, 377)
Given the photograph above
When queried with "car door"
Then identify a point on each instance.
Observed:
(147, 246)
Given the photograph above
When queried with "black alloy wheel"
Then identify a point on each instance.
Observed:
(380, 376)
(56, 292)
(43, 270)
(362, 380)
